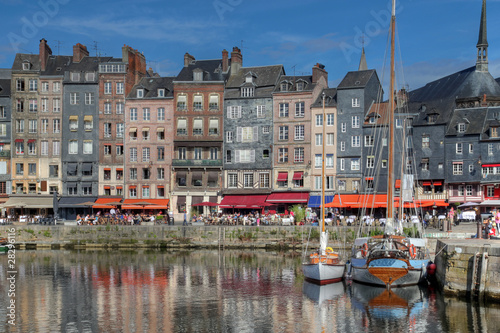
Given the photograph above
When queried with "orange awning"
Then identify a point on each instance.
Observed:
(398, 183)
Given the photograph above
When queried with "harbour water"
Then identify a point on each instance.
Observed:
(213, 291)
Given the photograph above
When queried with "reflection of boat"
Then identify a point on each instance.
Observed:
(323, 266)
(322, 293)
(385, 303)
(390, 259)
(3, 245)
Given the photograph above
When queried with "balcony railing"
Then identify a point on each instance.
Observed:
(214, 163)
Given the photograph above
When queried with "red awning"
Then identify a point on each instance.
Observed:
(282, 176)
(398, 183)
(438, 183)
(160, 186)
(31, 140)
(298, 175)
(288, 197)
(19, 140)
(132, 186)
(490, 165)
(369, 178)
(244, 201)
(426, 183)
(107, 187)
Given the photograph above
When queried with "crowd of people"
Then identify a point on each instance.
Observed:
(119, 218)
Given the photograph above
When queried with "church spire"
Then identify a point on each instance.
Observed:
(482, 43)
(362, 63)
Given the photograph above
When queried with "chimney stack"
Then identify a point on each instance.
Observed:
(236, 60)
(44, 53)
(225, 61)
(318, 71)
(188, 59)
(151, 73)
(79, 52)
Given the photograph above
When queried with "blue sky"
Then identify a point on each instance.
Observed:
(436, 38)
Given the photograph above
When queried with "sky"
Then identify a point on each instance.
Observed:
(435, 38)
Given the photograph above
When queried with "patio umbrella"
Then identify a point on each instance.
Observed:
(469, 204)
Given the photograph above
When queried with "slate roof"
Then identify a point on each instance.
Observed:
(357, 79)
(473, 119)
(4, 87)
(212, 70)
(88, 64)
(5, 73)
(151, 86)
(265, 80)
(330, 98)
(22, 57)
(56, 65)
(491, 119)
(307, 79)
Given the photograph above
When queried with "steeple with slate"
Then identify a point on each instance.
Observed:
(362, 63)
(482, 43)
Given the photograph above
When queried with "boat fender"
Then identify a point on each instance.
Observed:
(413, 252)
(329, 250)
(431, 268)
(364, 249)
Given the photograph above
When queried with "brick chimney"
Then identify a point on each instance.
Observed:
(236, 60)
(151, 73)
(136, 68)
(188, 59)
(44, 53)
(318, 71)
(79, 51)
(225, 61)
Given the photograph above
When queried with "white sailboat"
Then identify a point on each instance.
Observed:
(323, 266)
(391, 259)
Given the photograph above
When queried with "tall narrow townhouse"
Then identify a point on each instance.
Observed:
(149, 143)
(117, 77)
(248, 135)
(80, 138)
(323, 135)
(197, 163)
(355, 95)
(292, 101)
(5, 132)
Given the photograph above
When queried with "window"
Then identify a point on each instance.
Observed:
(33, 85)
(73, 147)
(229, 157)
(213, 127)
(459, 148)
(146, 154)
(266, 129)
(384, 164)
(319, 120)
(355, 164)
(181, 102)
(56, 125)
(284, 86)
(160, 134)
(244, 156)
(133, 154)
(160, 173)
(248, 180)
(133, 173)
(330, 119)
(140, 93)
(471, 168)
(471, 148)
(490, 191)
(283, 155)
(319, 139)
(399, 123)
(341, 184)
(132, 191)
(19, 148)
(317, 183)
(261, 111)
(33, 106)
(283, 133)
(425, 164)
(469, 190)
(318, 161)
(181, 126)
(89, 98)
(355, 121)
(490, 149)
(120, 107)
(56, 148)
(343, 127)
(133, 114)
(32, 126)
(31, 147)
(229, 136)
(75, 77)
(119, 88)
(73, 123)
(461, 128)
(369, 141)
(265, 153)
(370, 162)
(232, 180)
(213, 102)
(19, 125)
(432, 118)
(298, 156)
(234, 112)
(299, 109)
(44, 148)
(264, 180)
(329, 161)
(300, 85)
(20, 169)
(342, 146)
(198, 126)
(197, 152)
(56, 105)
(87, 146)
(56, 87)
(74, 98)
(107, 108)
(425, 141)
(299, 132)
(146, 114)
(283, 113)
(88, 123)
(45, 105)
(107, 130)
(19, 105)
(160, 114)
(182, 153)
(107, 150)
(355, 141)
(3, 113)
(19, 84)
(247, 91)
(53, 171)
(119, 150)
(457, 168)
(198, 103)
(355, 103)
(146, 173)
(329, 139)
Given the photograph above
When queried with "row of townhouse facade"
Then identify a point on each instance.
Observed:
(93, 128)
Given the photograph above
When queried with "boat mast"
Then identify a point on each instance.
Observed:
(323, 171)
(390, 175)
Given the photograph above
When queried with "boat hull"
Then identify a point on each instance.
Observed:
(321, 273)
(388, 272)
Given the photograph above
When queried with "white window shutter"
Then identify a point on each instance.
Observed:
(255, 133)
(239, 134)
(229, 112)
(237, 156)
(252, 156)
(239, 111)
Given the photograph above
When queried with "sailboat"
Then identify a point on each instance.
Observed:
(323, 266)
(391, 259)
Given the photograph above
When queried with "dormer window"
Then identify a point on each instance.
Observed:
(197, 75)
(75, 77)
(432, 118)
(372, 120)
(461, 127)
(247, 92)
(161, 92)
(494, 132)
(300, 86)
(284, 86)
(90, 77)
(26, 66)
(140, 93)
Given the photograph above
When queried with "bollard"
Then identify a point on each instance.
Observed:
(445, 225)
(479, 229)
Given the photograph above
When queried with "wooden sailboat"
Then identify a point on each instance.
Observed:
(392, 259)
(323, 266)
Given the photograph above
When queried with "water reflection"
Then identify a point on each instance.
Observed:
(211, 291)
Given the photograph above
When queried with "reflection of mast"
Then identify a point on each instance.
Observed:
(390, 171)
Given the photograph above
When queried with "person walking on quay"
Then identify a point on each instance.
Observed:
(497, 221)
(185, 219)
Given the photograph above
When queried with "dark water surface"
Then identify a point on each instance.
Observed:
(211, 291)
